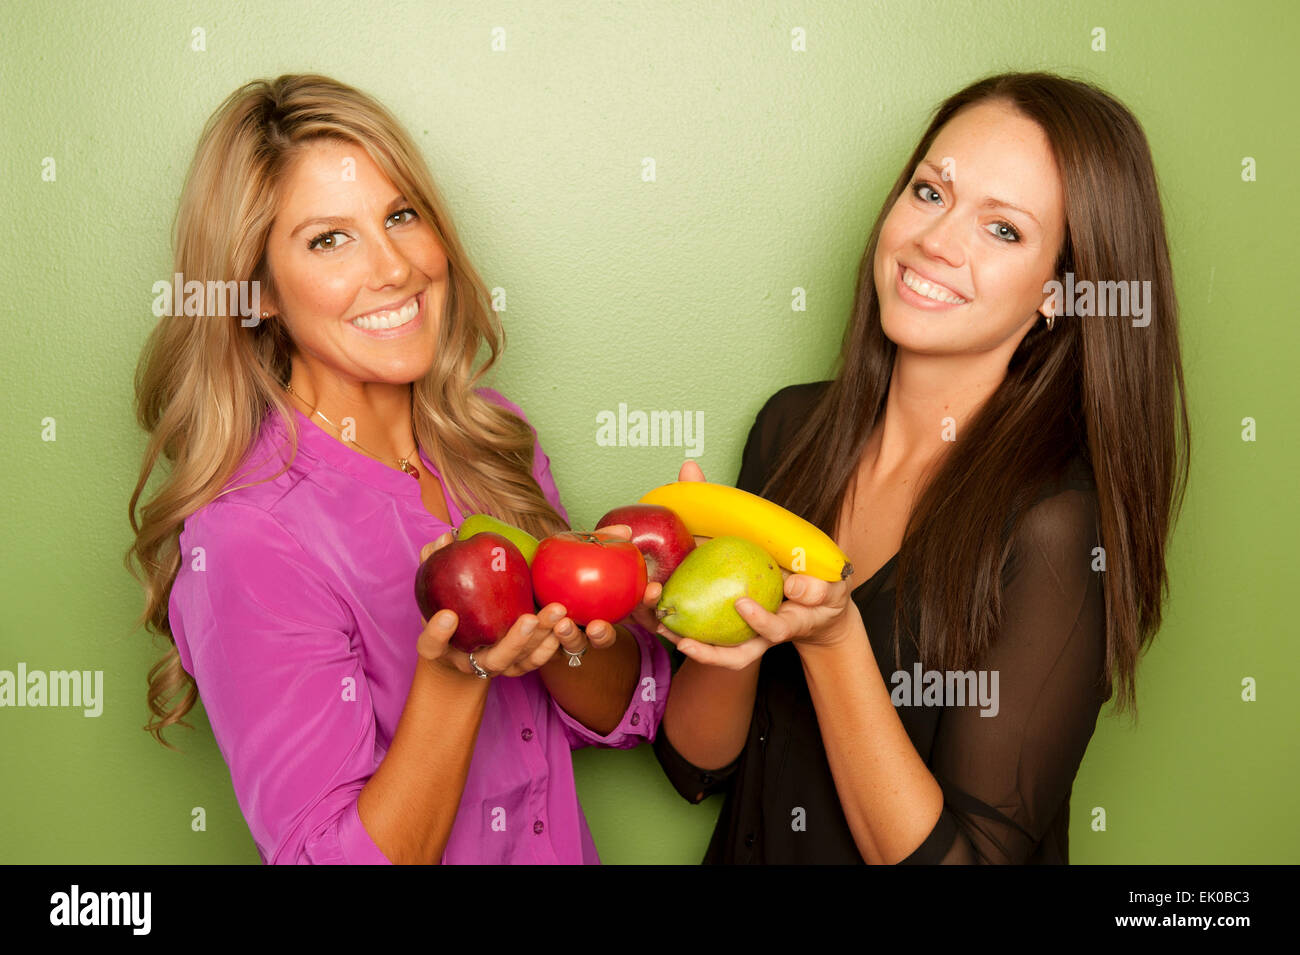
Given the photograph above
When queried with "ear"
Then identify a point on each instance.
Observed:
(1053, 303)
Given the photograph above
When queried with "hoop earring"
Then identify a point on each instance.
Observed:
(1051, 319)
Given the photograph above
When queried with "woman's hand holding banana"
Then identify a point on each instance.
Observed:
(815, 611)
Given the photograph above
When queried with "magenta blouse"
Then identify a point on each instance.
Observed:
(294, 610)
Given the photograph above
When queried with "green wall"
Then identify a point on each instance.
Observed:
(771, 165)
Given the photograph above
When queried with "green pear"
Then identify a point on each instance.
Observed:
(698, 600)
(478, 523)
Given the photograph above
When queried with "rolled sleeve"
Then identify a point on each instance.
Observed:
(691, 782)
(355, 845)
(645, 710)
(270, 646)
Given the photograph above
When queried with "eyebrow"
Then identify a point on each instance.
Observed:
(343, 220)
(991, 203)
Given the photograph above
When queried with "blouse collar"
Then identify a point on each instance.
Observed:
(314, 440)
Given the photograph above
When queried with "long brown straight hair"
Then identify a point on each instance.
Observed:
(1101, 387)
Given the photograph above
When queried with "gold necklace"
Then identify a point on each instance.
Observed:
(403, 463)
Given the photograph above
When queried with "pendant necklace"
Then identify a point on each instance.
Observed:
(403, 463)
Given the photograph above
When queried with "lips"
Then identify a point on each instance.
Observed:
(934, 286)
(414, 308)
(392, 307)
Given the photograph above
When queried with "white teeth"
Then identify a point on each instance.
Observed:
(922, 287)
(382, 320)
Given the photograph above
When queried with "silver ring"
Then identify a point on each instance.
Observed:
(575, 659)
(479, 672)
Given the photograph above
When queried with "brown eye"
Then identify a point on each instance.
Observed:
(321, 238)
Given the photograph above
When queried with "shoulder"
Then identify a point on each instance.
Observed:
(263, 499)
(236, 551)
(1068, 502)
(792, 403)
(1062, 526)
(244, 528)
(783, 413)
(774, 425)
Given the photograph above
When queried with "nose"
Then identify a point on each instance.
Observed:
(388, 264)
(940, 239)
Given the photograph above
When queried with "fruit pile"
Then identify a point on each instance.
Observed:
(493, 572)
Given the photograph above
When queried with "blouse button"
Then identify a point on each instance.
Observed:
(706, 778)
(538, 827)
(636, 718)
(749, 840)
(527, 734)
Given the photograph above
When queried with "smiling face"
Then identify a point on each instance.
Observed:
(955, 226)
(375, 259)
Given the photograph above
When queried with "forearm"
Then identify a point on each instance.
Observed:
(709, 711)
(890, 799)
(597, 693)
(409, 804)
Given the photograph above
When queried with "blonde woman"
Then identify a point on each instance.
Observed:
(318, 451)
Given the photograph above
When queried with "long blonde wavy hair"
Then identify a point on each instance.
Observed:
(203, 387)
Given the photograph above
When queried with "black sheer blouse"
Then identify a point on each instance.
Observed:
(1006, 777)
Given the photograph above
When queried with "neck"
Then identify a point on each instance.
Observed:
(924, 391)
(380, 413)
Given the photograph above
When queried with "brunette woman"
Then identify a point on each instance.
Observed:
(1002, 469)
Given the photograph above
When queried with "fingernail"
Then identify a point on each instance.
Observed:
(596, 631)
(744, 604)
(529, 626)
(796, 588)
(564, 629)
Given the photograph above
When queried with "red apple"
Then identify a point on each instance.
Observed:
(658, 533)
(484, 579)
(594, 577)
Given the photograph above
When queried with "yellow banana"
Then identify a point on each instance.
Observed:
(717, 510)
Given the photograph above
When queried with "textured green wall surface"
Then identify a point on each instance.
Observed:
(771, 165)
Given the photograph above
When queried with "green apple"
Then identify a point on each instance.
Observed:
(478, 523)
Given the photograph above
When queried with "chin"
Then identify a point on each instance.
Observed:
(915, 332)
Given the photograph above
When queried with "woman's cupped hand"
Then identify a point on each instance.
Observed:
(814, 612)
(533, 639)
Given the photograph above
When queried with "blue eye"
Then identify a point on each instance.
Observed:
(918, 186)
(1015, 234)
(1010, 228)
